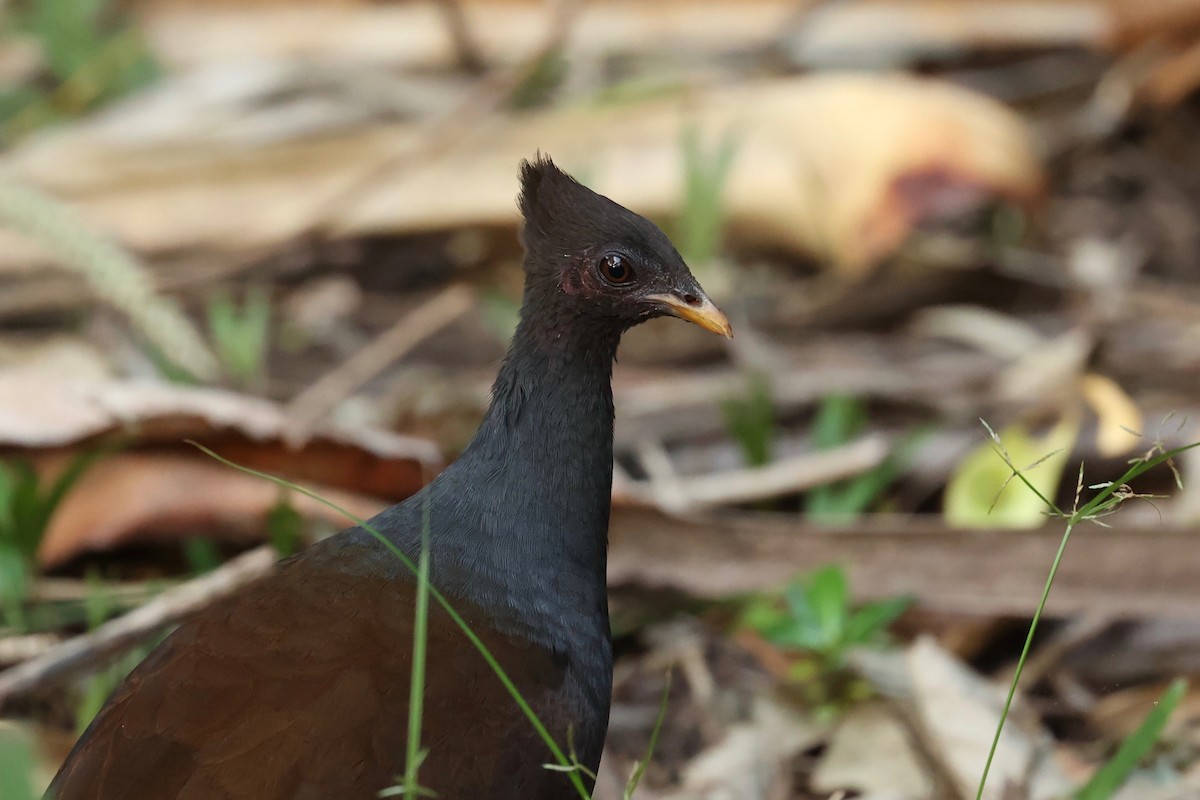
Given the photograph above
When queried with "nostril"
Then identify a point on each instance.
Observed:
(691, 299)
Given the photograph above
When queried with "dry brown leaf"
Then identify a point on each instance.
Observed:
(895, 31)
(159, 485)
(752, 761)
(1118, 714)
(1137, 21)
(870, 751)
(839, 166)
(192, 32)
(415, 34)
(957, 711)
(144, 497)
(1175, 78)
(38, 411)
(1120, 419)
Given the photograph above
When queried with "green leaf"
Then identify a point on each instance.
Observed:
(202, 555)
(14, 586)
(840, 418)
(240, 334)
(799, 626)
(8, 529)
(701, 219)
(983, 493)
(871, 620)
(67, 30)
(1110, 777)
(501, 314)
(750, 420)
(16, 764)
(285, 526)
(829, 596)
(28, 516)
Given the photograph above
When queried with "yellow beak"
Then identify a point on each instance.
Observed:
(703, 313)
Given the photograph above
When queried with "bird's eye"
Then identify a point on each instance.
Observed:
(616, 269)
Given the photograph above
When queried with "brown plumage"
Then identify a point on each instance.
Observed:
(237, 705)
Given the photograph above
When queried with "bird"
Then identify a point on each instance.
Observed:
(297, 686)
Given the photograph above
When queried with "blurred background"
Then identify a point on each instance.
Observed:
(957, 239)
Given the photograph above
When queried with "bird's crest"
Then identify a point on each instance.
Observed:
(559, 209)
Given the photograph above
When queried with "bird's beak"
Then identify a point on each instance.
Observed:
(701, 312)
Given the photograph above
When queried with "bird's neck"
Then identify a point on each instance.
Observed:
(532, 490)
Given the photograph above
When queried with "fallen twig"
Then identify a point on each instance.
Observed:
(1127, 570)
(77, 655)
(17, 649)
(785, 476)
(319, 399)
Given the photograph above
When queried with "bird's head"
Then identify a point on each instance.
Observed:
(599, 262)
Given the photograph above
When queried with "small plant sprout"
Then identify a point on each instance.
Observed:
(702, 212)
(27, 504)
(285, 526)
(750, 420)
(87, 61)
(814, 616)
(240, 334)
(840, 419)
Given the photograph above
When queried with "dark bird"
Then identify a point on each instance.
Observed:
(298, 686)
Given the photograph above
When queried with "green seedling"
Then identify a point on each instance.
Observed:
(750, 420)
(285, 526)
(543, 79)
(840, 419)
(813, 616)
(26, 507)
(702, 213)
(240, 335)
(91, 57)
(201, 554)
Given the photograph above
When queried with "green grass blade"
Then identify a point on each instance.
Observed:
(1103, 500)
(1012, 687)
(1110, 777)
(416, 695)
(1138, 468)
(639, 768)
(476, 642)
(16, 759)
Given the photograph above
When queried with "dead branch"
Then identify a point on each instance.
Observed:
(83, 652)
(346, 378)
